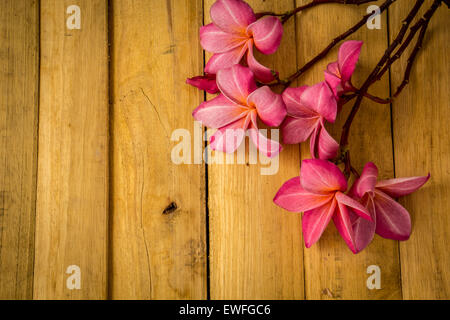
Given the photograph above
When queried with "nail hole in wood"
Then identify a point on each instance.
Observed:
(170, 208)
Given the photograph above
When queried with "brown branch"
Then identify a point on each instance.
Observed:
(416, 50)
(422, 26)
(346, 98)
(373, 75)
(333, 43)
(411, 59)
(287, 15)
(377, 99)
(406, 43)
(347, 164)
(355, 92)
(419, 25)
(424, 21)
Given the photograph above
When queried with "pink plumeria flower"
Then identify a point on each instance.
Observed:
(339, 73)
(236, 109)
(233, 33)
(390, 219)
(308, 108)
(206, 82)
(319, 193)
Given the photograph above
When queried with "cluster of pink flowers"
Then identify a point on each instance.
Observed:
(320, 190)
(236, 109)
(309, 106)
(368, 208)
(231, 36)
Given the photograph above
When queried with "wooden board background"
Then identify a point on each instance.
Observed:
(331, 270)
(86, 177)
(256, 249)
(72, 187)
(155, 255)
(19, 92)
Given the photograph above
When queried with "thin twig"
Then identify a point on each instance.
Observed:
(413, 30)
(333, 43)
(376, 99)
(346, 98)
(408, 40)
(372, 77)
(318, 2)
(420, 25)
(413, 56)
(411, 59)
(387, 60)
(287, 15)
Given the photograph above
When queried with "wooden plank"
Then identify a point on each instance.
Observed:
(157, 253)
(421, 140)
(332, 271)
(19, 61)
(256, 248)
(72, 195)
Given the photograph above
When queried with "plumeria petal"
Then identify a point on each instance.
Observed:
(348, 57)
(367, 181)
(215, 40)
(356, 207)
(400, 187)
(333, 69)
(393, 221)
(314, 222)
(219, 112)
(261, 72)
(342, 222)
(334, 83)
(320, 98)
(206, 82)
(296, 130)
(291, 98)
(270, 148)
(267, 33)
(313, 141)
(364, 230)
(236, 83)
(232, 15)
(347, 86)
(294, 198)
(225, 60)
(229, 138)
(321, 176)
(270, 106)
(327, 147)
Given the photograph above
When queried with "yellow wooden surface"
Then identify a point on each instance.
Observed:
(422, 144)
(256, 247)
(332, 271)
(19, 54)
(72, 197)
(155, 255)
(100, 204)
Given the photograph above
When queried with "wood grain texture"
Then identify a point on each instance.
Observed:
(72, 195)
(256, 248)
(332, 271)
(19, 67)
(156, 254)
(421, 142)
(55, 181)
